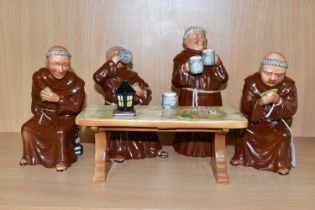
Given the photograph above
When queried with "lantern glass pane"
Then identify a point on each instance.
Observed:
(119, 99)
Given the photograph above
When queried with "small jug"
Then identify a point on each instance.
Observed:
(196, 64)
(125, 56)
(169, 100)
(208, 57)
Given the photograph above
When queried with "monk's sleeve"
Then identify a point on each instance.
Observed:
(288, 104)
(221, 73)
(36, 99)
(179, 77)
(146, 97)
(250, 103)
(72, 102)
(104, 71)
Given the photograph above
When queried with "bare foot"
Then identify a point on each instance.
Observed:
(234, 162)
(61, 167)
(284, 171)
(119, 159)
(23, 162)
(162, 154)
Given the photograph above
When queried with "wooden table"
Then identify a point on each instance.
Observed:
(218, 120)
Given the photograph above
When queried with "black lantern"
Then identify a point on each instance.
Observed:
(125, 97)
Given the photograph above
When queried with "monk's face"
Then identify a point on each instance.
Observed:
(58, 65)
(271, 75)
(196, 40)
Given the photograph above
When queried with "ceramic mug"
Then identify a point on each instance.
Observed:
(208, 56)
(169, 100)
(196, 64)
(125, 56)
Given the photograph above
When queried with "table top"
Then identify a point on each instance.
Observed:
(157, 117)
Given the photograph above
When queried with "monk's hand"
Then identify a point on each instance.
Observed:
(217, 60)
(185, 67)
(114, 57)
(270, 98)
(139, 91)
(48, 95)
(275, 98)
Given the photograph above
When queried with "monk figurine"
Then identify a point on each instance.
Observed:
(269, 101)
(57, 97)
(202, 89)
(126, 145)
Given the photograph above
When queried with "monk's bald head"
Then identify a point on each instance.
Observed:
(275, 59)
(58, 50)
(276, 56)
(113, 50)
(58, 47)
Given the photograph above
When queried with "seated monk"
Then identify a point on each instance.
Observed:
(57, 98)
(126, 145)
(269, 101)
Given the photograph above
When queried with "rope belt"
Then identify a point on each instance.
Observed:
(293, 161)
(195, 94)
(43, 114)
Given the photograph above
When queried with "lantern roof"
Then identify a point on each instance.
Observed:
(125, 88)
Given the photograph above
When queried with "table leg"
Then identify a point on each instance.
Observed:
(100, 156)
(218, 161)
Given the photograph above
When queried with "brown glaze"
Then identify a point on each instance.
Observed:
(129, 145)
(211, 79)
(109, 77)
(196, 144)
(49, 136)
(265, 144)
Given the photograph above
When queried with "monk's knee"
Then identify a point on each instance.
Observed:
(26, 133)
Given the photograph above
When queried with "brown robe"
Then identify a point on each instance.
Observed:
(265, 144)
(196, 144)
(129, 145)
(49, 136)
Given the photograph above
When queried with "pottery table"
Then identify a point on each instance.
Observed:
(218, 120)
